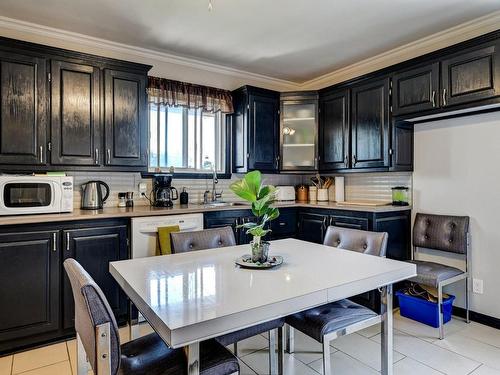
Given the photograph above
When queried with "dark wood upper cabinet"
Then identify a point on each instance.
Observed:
(334, 131)
(126, 118)
(402, 146)
(75, 118)
(471, 75)
(416, 89)
(263, 132)
(370, 125)
(94, 248)
(22, 109)
(255, 129)
(30, 285)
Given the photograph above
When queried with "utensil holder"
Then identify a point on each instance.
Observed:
(322, 195)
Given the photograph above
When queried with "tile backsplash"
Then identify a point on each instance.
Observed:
(361, 186)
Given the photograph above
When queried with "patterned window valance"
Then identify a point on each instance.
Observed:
(174, 93)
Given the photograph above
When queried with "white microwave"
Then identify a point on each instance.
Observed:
(24, 195)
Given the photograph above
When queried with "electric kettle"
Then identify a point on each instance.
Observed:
(92, 198)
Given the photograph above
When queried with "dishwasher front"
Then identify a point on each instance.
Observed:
(145, 230)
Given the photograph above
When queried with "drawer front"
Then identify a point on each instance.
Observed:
(285, 224)
(349, 222)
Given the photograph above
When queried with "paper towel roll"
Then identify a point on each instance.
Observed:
(339, 189)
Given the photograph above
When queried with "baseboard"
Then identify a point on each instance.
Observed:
(478, 317)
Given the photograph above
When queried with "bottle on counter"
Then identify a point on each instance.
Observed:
(183, 196)
(130, 199)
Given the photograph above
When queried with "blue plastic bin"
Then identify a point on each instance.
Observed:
(424, 311)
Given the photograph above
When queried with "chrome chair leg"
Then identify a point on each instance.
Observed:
(272, 353)
(290, 339)
(467, 296)
(440, 307)
(326, 357)
(281, 352)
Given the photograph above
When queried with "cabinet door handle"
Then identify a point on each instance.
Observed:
(67, 241)
(41, 154)
(346, 161)
(353, 160)
(97, 156)
(109, 155)
(54, 241)
(433, 98)
(444, 96)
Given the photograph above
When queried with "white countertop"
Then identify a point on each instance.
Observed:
(192, 296)
(138, 211)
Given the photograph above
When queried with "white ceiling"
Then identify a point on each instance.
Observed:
(295, 40)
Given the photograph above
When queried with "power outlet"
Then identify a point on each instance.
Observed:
(477, 286)
(142, 188)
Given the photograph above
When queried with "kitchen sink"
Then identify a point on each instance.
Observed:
(225, 204)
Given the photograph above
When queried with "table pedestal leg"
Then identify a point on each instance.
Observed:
(193, 357)
(387, 333)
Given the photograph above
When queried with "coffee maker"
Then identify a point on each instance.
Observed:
(163, 193)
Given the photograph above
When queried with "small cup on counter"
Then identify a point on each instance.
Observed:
(313, 193)
(122, 199)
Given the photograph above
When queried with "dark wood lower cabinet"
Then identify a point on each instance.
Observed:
(94, 248)
(313, 224)
(36, 299)
(29, 275)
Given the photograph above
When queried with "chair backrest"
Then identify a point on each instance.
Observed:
(362, 241)
(92, 309)
(441, 232)
(202, 239)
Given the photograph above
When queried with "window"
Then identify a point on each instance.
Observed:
(190, 140)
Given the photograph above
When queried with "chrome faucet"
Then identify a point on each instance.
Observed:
(215, 181)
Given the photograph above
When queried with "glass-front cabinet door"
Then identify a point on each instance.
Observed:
(299, 135)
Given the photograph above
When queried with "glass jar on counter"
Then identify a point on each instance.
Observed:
(400, 196)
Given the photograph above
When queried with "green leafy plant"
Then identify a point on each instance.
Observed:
(261, 197)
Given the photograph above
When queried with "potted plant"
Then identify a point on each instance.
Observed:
(261, 197)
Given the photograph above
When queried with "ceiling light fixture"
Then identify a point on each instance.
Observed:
(210, 5)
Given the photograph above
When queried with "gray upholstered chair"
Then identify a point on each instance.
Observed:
(203, 239)
(98, 339)
(446, 234)
(222, 237)
(326, 323)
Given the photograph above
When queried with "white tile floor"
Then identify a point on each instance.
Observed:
(467, 349)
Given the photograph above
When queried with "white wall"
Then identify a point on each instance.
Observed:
(457, 172)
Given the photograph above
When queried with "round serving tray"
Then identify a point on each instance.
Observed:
(245, 261)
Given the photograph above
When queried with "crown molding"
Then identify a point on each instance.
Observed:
(442, 39)
(69, 36)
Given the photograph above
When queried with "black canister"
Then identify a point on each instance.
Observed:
(184, 197)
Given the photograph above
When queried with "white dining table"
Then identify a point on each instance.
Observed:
(190, 297)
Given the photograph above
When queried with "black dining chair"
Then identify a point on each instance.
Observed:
(98, 340)
(223, 237)
(328, 322)
(448, 234)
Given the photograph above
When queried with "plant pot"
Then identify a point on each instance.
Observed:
(260, 251)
